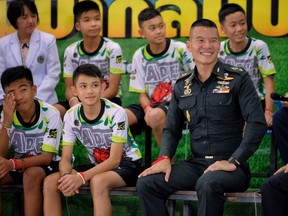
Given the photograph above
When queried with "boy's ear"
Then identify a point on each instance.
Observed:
(222, 29)
(34, 90)
(141, 33)
(74, 90)
(77, 26)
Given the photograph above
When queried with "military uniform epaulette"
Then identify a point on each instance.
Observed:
(234, 69)
(186, 74)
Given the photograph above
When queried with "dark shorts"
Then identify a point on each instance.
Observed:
(51, 168)
(139, 113)
(128, 170)
(65, 103)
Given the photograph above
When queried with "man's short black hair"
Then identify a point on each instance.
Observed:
(228, 9)
(147, 14)
(16, 9)
(84, 6)
(15, 73)
(204, 23)
(90, 70)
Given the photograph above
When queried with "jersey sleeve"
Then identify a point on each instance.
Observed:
(119, 127)
(265, 64)
(68, 137)
(67, 63)
(52, 136)
(116, 60)
(137, 81)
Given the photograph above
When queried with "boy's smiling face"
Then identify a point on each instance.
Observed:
(89, 23)
(235, 27)
(88, 89)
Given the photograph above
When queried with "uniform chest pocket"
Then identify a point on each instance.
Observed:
(188, 106)
(220, 105)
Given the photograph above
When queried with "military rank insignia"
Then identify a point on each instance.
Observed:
(223, 83)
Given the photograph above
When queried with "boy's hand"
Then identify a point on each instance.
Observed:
(9, 104)
(69, 184)
(5, 167)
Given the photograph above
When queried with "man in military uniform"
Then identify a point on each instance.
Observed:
(216, 100)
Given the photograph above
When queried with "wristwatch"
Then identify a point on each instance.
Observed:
(234, 161)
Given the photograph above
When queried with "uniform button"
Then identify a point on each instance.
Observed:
(201, 108)
(205, 142)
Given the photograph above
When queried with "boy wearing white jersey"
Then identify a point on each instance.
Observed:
(252, 54)
(32, 128)
(102, 127)
(155, 69)
(93, 49)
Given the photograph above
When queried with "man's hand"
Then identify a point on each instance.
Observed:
(223, 165)
(282, 169)
(163, 166)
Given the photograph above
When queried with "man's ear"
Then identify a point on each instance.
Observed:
(188, 46)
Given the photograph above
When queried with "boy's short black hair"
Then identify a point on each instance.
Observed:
(15, 73)
(147, 14)
(16, 9)
(84, 6)
(90, 70)
(228, 9)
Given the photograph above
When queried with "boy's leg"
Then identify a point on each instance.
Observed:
(33, 178)
(100, 186)
(156, 118)
(52, 196)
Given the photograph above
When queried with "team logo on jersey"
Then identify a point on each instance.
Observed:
(53, 133)
(40, 59)
(121, 126)
(118, 59)
(269, 59)
(76, 122)
(75, 55)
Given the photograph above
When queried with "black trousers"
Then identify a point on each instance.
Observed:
(188, 175)
(274, 193)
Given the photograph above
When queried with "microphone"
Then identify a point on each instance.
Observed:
(276, 96)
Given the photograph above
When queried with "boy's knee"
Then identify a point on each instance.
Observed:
(51, 183)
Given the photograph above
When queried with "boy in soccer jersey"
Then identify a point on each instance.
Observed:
(93, 49)
(155, 69)
(252, 54)
(32, 128)
(102, 127)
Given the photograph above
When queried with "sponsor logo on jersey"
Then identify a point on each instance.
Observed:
(121, 126)
(53, 133)
(118, 59)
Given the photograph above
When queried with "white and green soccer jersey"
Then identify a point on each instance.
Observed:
(42, 135)
(255, 59)
(108, 57)
(111, 126)
(149, 70)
